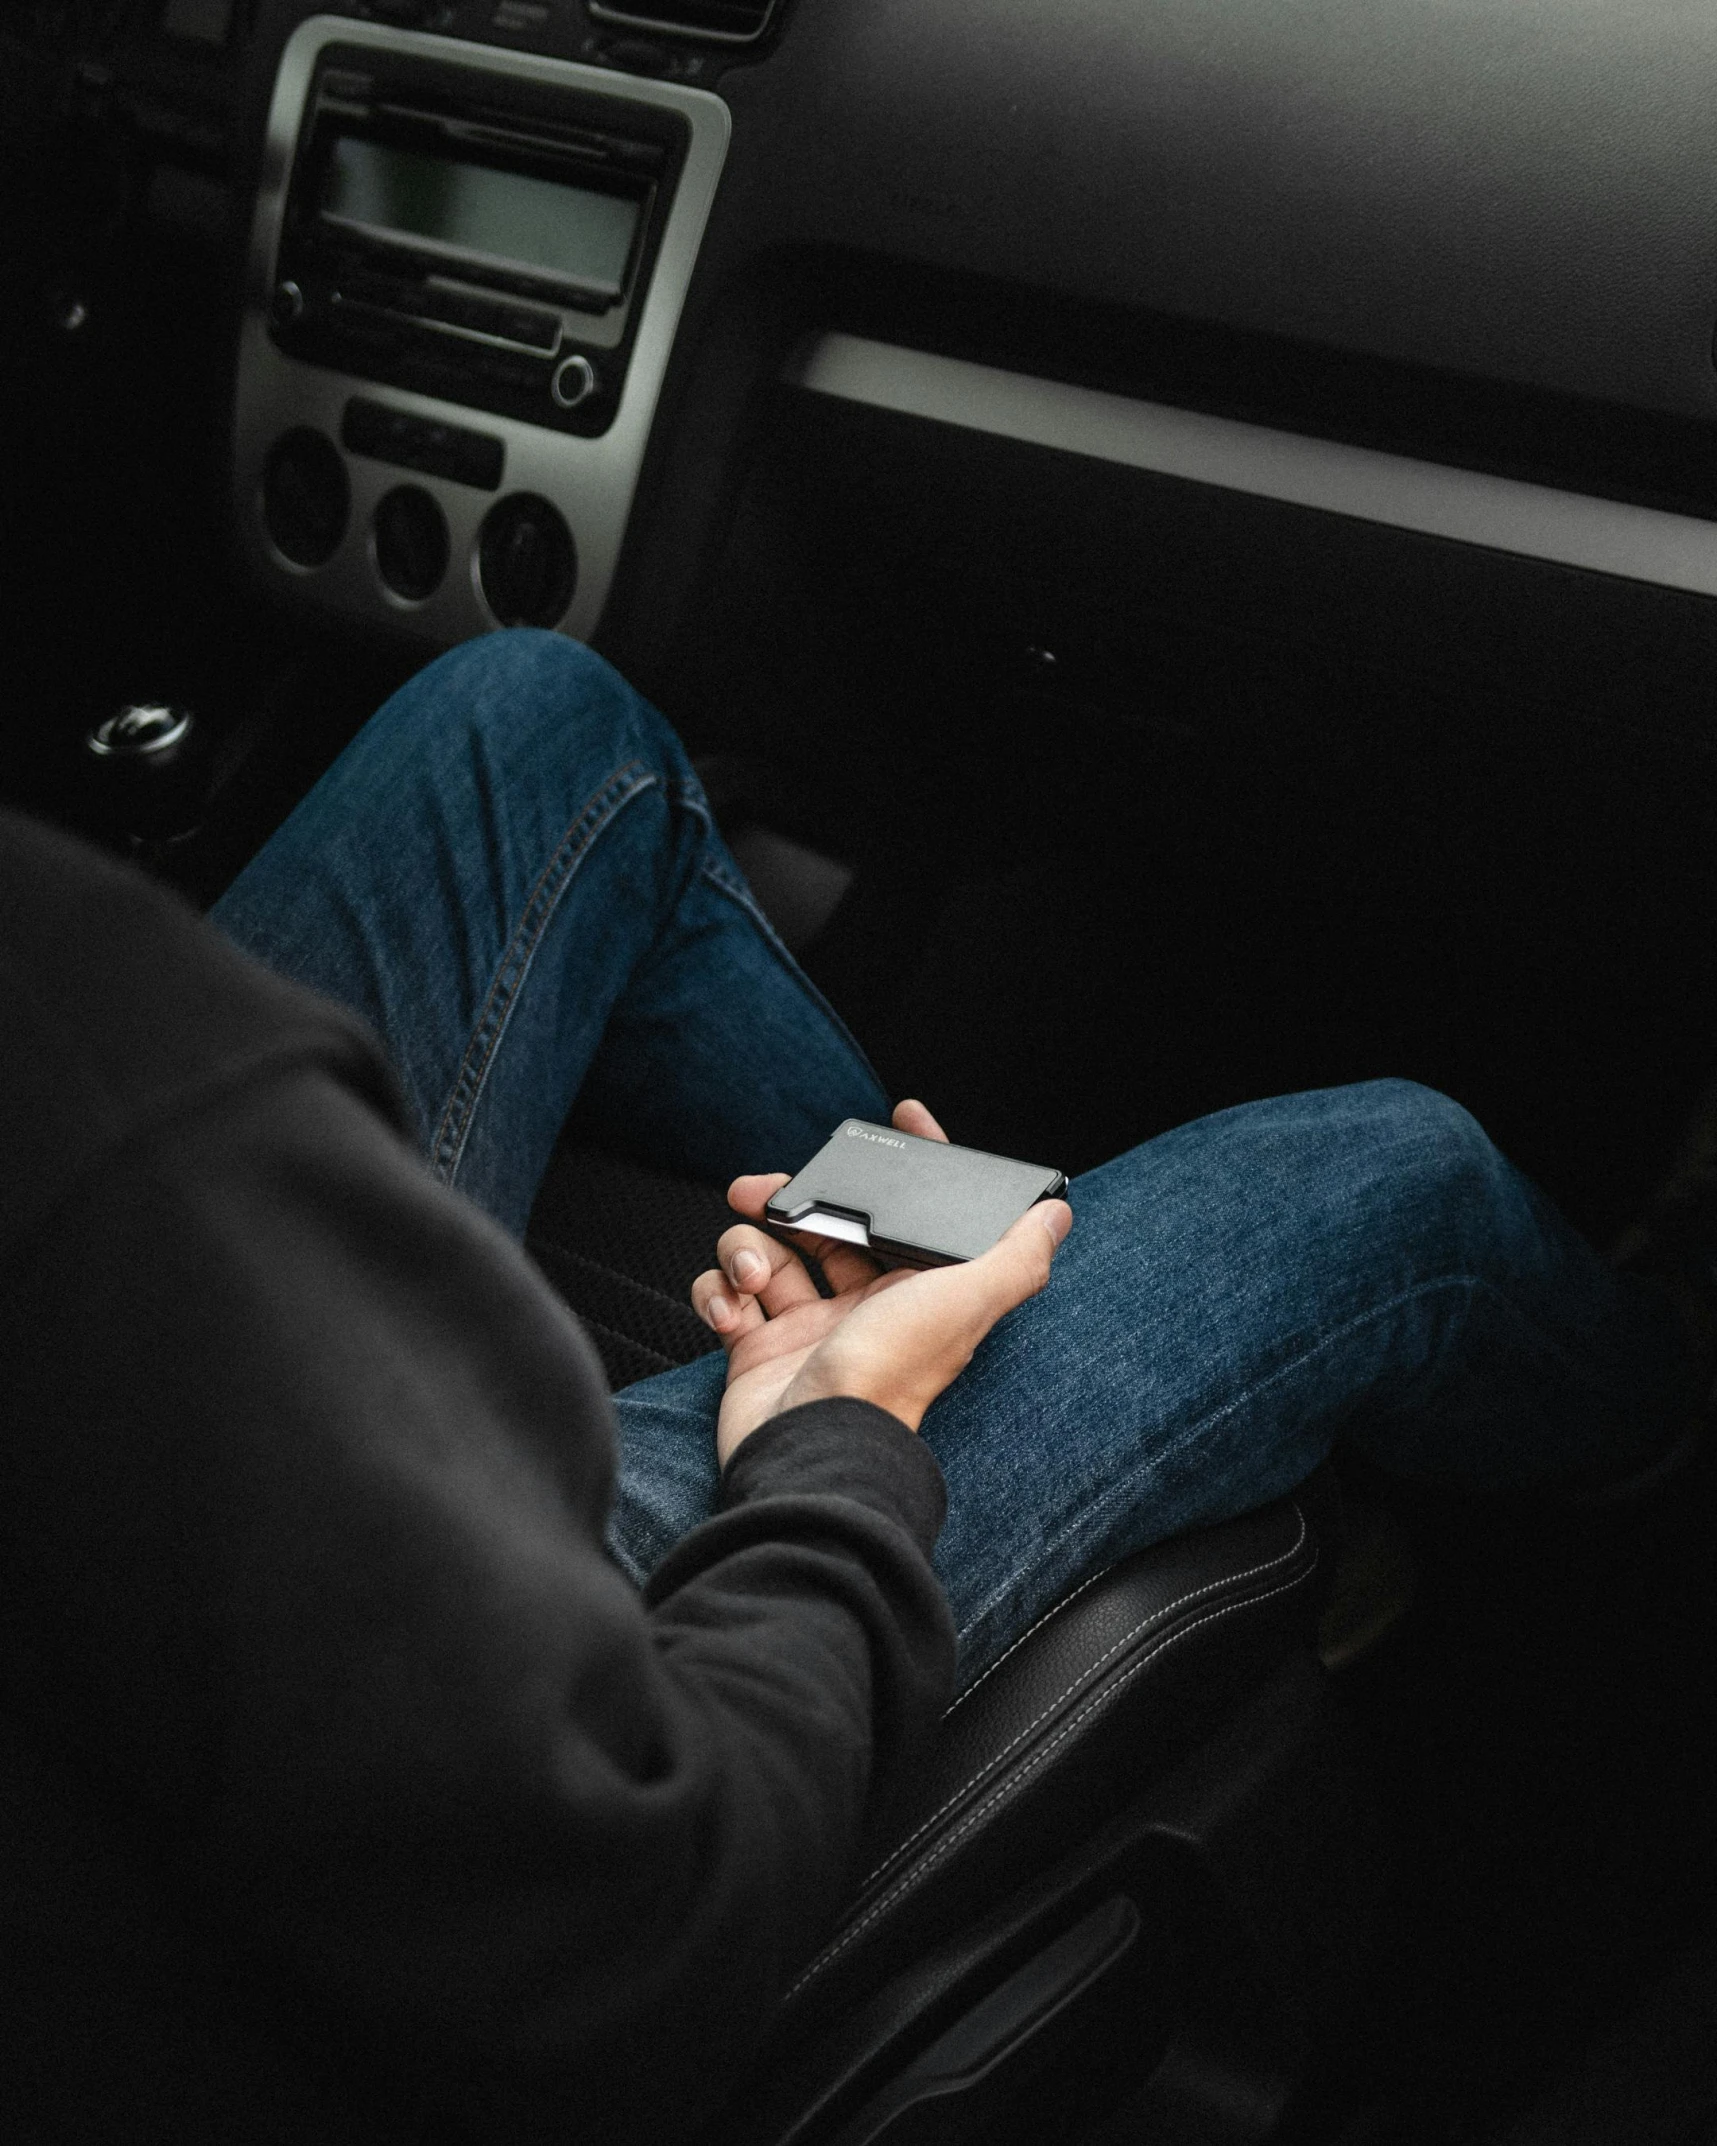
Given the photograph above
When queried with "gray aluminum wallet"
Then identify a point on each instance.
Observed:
(918, 1203)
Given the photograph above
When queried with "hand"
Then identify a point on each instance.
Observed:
(897, 1339)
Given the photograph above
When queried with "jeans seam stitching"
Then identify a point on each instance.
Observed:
(737, 891)
(597, 813)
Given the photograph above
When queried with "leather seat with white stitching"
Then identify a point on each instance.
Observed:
(1194, 1660)
(1125, 1674)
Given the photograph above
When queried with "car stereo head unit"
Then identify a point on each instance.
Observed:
(466, 272)
(471, 237)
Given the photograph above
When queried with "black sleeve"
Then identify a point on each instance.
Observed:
(303, 1549)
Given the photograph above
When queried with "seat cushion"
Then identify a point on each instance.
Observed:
(1119, 1681)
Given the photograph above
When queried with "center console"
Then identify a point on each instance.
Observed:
(465, 273)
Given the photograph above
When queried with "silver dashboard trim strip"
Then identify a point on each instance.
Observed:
(1535, 521)
(627, 19)
(592, 481)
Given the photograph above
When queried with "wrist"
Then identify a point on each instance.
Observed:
(816, 1382)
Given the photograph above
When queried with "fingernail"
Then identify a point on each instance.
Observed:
(717, 1310)
(748, 1267)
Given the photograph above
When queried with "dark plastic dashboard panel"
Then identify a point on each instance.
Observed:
(1520, 189)
(1478, 232)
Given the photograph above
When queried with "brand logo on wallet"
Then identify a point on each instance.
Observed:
(863, 1132)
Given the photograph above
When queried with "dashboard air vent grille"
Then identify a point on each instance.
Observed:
(724, 22)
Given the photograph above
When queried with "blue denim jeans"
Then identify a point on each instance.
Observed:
(513, 875)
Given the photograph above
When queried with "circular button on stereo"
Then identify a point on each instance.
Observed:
(526, 561)
(286, 303)
(573, 382)
(411, 547)
(306, 496)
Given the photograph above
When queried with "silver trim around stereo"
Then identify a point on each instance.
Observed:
(592, 481)
(1535, 521)
(599, 11)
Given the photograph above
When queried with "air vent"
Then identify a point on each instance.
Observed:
(722, 22)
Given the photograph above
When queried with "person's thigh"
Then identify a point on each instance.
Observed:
(1234, 1297)
(514, 862)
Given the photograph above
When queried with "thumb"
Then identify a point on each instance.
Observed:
(1017, 1265)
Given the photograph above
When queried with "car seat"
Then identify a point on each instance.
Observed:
(1135, 1885)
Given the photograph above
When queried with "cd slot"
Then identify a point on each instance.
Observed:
(477, 319)
(449, 305)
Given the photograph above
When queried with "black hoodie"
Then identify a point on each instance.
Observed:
(347, 1788)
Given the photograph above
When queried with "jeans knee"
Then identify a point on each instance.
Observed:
(1435, 1163)
(525, 691)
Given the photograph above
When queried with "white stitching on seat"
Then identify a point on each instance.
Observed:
(1054, 1610)
(1103, 1699)
(1196, 1594)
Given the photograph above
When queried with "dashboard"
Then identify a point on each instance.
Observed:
(1440, 268)
(1517, 201)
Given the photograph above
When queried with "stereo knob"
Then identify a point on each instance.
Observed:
(306, 496)
(142, 731)
(526, 561)
(411, 542)
(573, 382)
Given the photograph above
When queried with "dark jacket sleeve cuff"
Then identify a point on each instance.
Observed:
(842, 1448)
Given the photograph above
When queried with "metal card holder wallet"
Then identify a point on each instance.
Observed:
(910, 1202)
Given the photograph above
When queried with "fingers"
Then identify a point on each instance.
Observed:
(723, 1308)
(845, 1265)
(750, 1195)
(911, 1116)
(1017, 1265)
(910, 1336)
(757, 1279)
(759, 1266)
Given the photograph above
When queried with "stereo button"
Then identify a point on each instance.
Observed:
(638, 55)
(306, 496)
(574, 381)
(526, 561)
(370, 428)
(411, 542)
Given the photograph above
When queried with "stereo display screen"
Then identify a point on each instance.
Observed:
(565, 231)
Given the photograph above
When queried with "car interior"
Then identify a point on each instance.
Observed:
(1182, 536)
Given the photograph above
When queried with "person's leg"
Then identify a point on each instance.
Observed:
(512, 874)
(1235, 1297)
